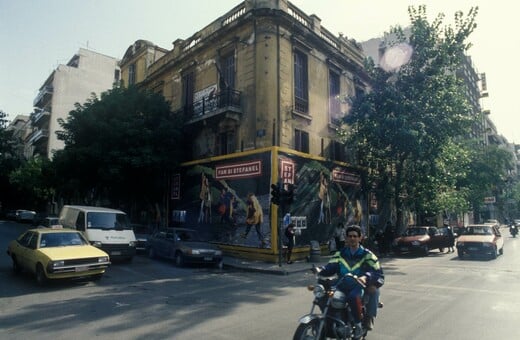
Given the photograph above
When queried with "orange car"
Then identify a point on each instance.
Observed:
(480, 240)
(421, 240)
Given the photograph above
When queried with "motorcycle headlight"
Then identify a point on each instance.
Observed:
(339, 299)
(319, 291)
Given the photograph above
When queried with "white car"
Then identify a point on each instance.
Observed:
(25, 215)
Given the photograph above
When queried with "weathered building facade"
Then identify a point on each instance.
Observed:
(264, 76)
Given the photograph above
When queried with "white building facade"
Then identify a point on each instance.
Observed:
(86, 73)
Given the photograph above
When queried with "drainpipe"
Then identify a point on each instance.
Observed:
(278, 112)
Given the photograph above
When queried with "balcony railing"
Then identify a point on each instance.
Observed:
(38, 136)
(38, 118)
(228, 100)
(43, 96)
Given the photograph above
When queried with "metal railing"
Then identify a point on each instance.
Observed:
(207, 105)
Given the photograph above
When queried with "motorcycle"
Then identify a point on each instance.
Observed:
(336, 319)
(513, 230)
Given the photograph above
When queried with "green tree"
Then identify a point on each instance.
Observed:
(120, 148)
(399, 128)
(488, 175)
(32, 182)
(9, 161)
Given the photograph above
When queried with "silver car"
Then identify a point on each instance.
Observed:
(184, 246)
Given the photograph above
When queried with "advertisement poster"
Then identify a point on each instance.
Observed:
(228, 200)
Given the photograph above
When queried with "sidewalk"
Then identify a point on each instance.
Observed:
(273, 268)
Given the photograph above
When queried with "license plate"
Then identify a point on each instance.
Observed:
(81, 269)
(115, 253)
(208, 258)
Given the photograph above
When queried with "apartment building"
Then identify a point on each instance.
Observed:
(87, 72)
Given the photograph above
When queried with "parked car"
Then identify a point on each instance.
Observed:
(480, 240)
(142, 232)
(46, 222)
(421, 240)
(23, 215)
(183, 245)
(57, 253)
(11, 215)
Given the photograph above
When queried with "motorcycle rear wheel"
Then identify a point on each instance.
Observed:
(309, 331)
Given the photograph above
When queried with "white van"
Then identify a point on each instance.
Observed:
(108, 229)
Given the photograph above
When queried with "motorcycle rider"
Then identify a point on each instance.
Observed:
(356, 260)
(513, 229)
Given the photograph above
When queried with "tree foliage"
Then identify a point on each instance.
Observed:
(9, 161)
(32, 181)
(119, 148)
(400, 128)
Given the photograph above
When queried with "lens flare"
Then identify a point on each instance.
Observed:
(396, 56)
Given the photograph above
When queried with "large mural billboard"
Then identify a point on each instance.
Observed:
(228, 199)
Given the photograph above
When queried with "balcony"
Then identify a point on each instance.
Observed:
(38, 136)
(43, 96)
(40, 118)
(222, 105)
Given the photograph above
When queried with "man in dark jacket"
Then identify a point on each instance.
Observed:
(356, 260)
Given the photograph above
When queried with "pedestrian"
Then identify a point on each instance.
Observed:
(339, 236)
(451, 239)
(289, 233)
(389, 235)
(380, 239)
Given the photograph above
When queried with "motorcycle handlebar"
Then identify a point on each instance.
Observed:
(317, 271)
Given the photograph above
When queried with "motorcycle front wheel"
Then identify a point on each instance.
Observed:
(309, 331)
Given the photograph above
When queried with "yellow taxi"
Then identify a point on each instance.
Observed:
(57, 253)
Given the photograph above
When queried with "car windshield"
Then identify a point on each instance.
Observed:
(107, 220)
(415, 231)
(187, 235)
(479, 231)
(61, 240)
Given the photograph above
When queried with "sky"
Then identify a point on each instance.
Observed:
(38, 35)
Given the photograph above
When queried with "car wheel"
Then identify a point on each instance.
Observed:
(16, 267)
(179, 261)
(441, 250)
(494, 254)
(501, 251)
(151, 253)
(41, 278)
(426, 250)
(460, 254)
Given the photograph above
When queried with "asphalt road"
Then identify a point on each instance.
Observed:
(434, 297)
